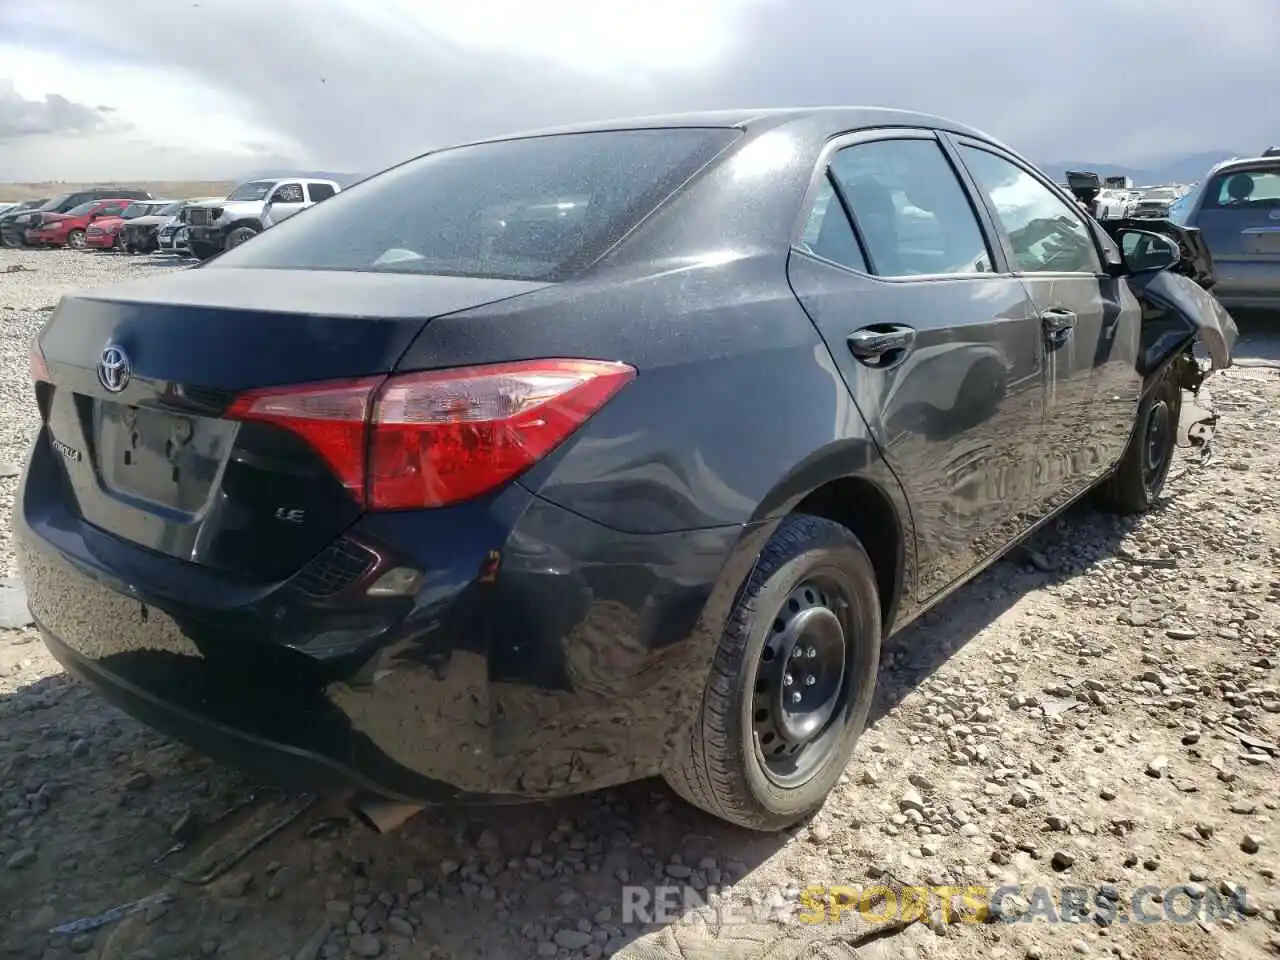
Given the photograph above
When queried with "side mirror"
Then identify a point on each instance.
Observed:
(1147, 252)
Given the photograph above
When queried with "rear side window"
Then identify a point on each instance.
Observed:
(1244, 190)
(910, 208)
(320, 191)
(534, 208)
(827, 231)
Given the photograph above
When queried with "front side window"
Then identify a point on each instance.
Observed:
(1046, 235)
(287, 193)
(533, 208)
(911, 210)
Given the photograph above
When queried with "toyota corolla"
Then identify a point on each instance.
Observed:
(546, 463)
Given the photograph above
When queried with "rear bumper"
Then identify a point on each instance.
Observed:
(270, 760)
(577, 665)
(1247, 285)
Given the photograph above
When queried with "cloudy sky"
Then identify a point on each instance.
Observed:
(211, 88)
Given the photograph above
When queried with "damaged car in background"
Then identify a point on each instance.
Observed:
(550, 462)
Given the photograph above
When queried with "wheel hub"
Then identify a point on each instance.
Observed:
(800, 681)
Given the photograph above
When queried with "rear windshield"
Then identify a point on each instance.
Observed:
(1244, 190)
(527, 209)
(81, 210)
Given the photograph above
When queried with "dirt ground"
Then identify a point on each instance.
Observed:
(1093, 725)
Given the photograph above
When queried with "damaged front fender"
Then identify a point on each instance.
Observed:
(1175, 311)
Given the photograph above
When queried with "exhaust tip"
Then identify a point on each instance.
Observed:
(380, 814)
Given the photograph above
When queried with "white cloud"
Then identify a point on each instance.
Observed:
(356, 85)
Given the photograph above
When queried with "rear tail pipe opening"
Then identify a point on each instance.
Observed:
(380, 814)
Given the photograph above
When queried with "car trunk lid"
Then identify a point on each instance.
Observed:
(1245, 232)
(140, 380)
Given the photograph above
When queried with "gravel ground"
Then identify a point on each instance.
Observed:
(1099, 711)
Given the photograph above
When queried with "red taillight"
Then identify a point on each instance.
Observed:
(330, 416)
(440, 437)
(38, 366)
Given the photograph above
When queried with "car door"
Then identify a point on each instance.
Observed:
(285, 200)
(1090, 321)
(939, 346)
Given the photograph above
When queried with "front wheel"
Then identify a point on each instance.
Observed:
(203, 251)
(239, 235)
(75, 239)
(1135, 484)
(791, 683)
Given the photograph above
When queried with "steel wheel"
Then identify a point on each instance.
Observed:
(1159, 443)
(802, 685)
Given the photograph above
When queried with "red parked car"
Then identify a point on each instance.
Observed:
(105, 233)
(69, 229)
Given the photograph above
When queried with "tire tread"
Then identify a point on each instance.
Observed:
(707, 774)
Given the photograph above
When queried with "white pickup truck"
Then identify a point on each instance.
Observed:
(248, 210)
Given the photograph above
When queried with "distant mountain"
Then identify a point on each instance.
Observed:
(1184, 169)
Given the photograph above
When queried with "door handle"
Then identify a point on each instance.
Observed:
(1058, 324)
(882, 345)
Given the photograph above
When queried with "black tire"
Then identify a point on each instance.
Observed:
(239, 235)
(203, 251)
(813, 573)
(1135, 484)
(75, 240)
(10, 240)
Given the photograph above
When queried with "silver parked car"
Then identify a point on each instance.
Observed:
(1237, 210)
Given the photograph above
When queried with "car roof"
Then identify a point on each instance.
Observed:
(1240, 164)
(817, 122)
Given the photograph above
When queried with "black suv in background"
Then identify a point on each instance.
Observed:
(15, 223)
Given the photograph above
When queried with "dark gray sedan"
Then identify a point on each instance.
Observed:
(541, 464)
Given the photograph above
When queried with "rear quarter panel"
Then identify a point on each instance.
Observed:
(735, 393)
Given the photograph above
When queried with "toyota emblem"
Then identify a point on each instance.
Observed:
(113, 369)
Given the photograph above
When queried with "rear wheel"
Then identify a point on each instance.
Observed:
(1136, 483)
(10, 240)
(791, 683)
(203, 251)
(75, 239)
